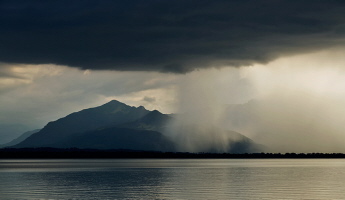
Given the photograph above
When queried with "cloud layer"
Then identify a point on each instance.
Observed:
(33, 95)
(165, 36)
(297, 106)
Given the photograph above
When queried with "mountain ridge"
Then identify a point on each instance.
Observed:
(115, 125)
(111, 113)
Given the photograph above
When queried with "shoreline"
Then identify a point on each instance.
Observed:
(56, 153)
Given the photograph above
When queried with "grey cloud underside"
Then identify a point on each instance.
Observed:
(166, 36)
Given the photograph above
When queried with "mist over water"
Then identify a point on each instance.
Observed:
(293, 124)
(294, 104)
(202, 96)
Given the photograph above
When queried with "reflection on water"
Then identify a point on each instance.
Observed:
(172, 179)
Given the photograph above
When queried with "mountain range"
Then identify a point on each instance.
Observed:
(116, 125)
(19, 139)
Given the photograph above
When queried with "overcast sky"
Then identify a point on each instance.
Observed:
(58, 57)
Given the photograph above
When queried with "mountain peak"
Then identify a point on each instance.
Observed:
(141, 107)
(154, 116)
(115, 106)
(113, 102)
(155, 112)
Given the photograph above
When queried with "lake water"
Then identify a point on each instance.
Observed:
(173, 179)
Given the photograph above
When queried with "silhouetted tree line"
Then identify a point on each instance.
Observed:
(124, 153)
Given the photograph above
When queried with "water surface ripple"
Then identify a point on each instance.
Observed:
(173, 179)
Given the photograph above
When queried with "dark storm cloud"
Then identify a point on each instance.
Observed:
(161, 35)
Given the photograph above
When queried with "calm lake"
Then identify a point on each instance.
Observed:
(173, 179)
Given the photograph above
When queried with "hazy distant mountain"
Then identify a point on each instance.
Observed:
(21, 138)
(193, 137)
(115, 125)
(10, 131)
(243, 144)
